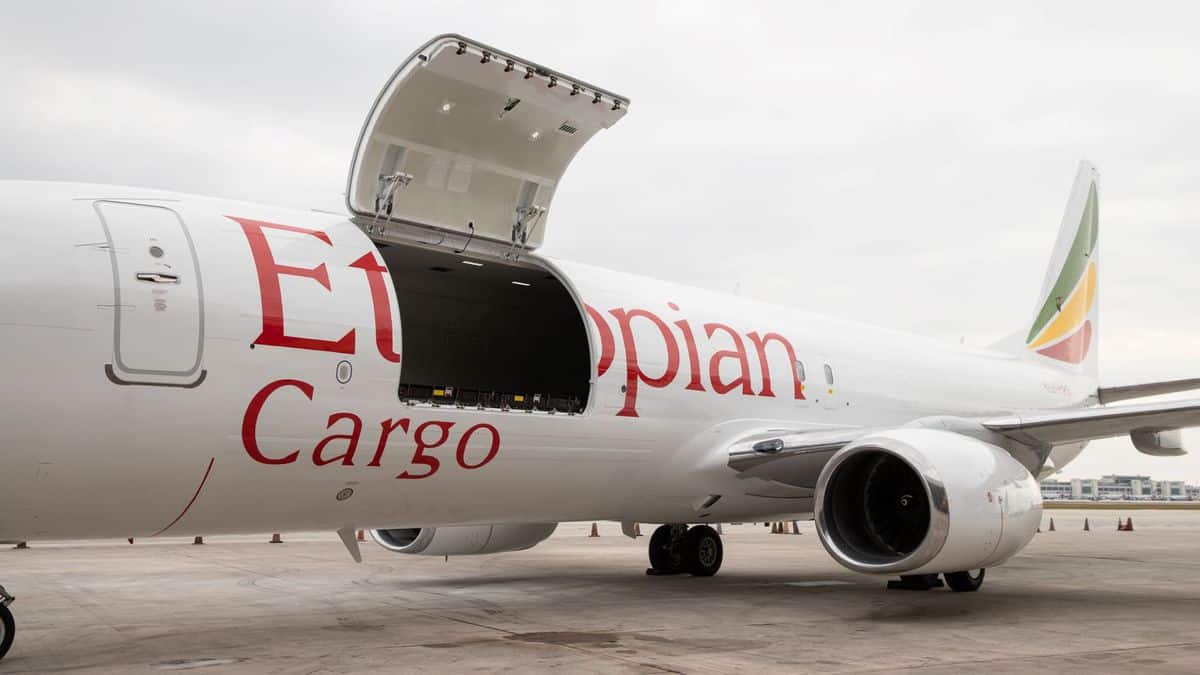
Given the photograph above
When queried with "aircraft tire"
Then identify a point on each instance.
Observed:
(665, 556)
(703, 551)
(964, 582)
(7, 629)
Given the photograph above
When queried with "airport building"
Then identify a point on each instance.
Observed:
(1119, 487)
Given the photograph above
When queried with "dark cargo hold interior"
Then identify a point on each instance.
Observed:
(473, 337)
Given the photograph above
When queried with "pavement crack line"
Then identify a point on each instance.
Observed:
(1075, 556)
(1031, 657)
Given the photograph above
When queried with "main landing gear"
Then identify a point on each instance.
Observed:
(675, 549)
(7, 626)
(961, 582)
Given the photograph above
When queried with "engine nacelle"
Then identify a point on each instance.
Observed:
(464, 540)
(917, 501)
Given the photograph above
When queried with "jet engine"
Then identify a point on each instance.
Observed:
(923, 501)
(463, 540)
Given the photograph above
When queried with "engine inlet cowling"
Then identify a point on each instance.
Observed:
(918, 500)
(463, 540)
(879, 506)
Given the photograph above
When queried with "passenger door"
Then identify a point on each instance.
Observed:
(158, 308)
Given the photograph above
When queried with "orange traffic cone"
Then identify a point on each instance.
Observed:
(198, 541)
(595, 531)
(362, 535)
(1051, 524)
(1086, 526)
(276, 539)
(1129, 524)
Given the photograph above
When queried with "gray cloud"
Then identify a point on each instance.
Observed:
(903, 164)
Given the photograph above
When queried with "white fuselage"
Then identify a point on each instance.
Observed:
(207, 417)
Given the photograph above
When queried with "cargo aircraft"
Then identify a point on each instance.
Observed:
(181, 365)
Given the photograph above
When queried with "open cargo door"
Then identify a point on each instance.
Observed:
(470, 142)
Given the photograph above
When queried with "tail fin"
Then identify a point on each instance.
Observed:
(1066, 319)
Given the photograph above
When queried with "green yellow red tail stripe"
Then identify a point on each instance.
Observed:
(1062, 329)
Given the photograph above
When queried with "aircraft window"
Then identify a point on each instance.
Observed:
(828, 375)
(800, 370)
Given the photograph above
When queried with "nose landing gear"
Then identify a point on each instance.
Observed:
(7, 626)
(675, 549)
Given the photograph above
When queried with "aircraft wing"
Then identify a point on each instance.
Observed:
(795, 457)
(1123, 393)
(1071, 426)
(754, 451)
(791, 457)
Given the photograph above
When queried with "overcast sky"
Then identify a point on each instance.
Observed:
(906, 164)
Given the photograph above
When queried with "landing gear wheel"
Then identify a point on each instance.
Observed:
(964, 582)
(7, 629)
(702, 551)
(665, 550)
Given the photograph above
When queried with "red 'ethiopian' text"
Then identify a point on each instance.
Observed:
(639, 328)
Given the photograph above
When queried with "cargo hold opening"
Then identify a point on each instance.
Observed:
(486, 333)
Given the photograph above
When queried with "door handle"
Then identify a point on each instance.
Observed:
(158, 277)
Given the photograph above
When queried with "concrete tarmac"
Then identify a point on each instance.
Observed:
(1099, 601)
